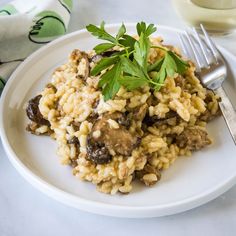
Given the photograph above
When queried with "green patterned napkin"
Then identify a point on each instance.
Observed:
(27, 25)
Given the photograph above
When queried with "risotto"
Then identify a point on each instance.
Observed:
(135, 135)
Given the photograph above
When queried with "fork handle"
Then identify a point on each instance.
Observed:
(228, 112)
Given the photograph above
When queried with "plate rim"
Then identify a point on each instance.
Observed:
(96, 206)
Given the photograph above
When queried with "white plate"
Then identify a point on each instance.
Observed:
(190, 182)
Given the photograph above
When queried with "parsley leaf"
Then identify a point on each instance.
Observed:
(142, 28)
(100, 32)
(121, 31)
(131, 68)
(132, 82)
(102, 47)
(103, 64)
(167, 66)
(127, 41)
(181, 65)
(155, 66)
(134, 76)
(109, 82)
(141, 48)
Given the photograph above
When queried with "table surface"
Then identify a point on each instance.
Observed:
(26, 211)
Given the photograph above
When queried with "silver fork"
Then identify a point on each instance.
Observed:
(212, 70)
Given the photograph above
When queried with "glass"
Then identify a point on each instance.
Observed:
(217, 16)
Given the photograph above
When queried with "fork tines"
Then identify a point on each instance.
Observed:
(204, 52)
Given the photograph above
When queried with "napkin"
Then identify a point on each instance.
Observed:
(26, 25)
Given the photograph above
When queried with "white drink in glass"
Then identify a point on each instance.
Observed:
(218, 16)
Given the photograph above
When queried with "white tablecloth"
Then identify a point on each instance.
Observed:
(25, 211)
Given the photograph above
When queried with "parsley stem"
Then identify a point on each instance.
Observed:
(126, 50)
(152, 82)
(160, 47)
(131, 52)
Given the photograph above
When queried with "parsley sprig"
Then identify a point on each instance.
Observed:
(129, 67)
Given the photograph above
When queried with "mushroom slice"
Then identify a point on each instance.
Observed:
(97, 152)
(34, 113)
(120, 140)
(193, 139)
(80, 59)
